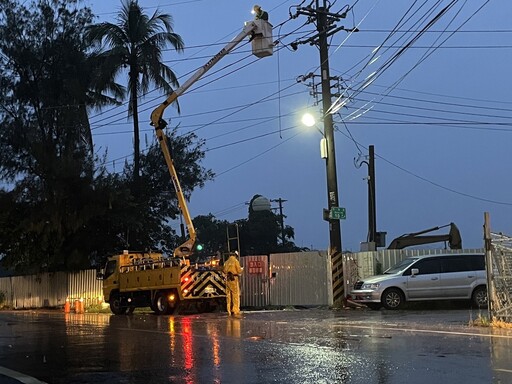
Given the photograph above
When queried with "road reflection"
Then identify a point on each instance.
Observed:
(262, 347)
(501, 356)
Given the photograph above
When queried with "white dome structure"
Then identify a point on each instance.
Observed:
(260, 203)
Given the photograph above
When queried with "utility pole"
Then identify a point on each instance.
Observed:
(326, 28)
(281, 217)
(372, 210)
(332, 181)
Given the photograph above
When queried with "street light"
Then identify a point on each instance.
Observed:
(327, 152)
(308, 120)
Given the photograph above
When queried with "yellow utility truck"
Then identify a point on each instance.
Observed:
(134, 279)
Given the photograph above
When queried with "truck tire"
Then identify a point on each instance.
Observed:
(116, 306)
(161, 306)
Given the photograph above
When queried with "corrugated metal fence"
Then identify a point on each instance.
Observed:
(51, 289)
(255, 282)
(301, 279)
(288, 279)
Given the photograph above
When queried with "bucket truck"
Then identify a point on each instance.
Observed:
(134, 279)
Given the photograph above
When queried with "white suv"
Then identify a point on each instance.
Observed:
(432, 277)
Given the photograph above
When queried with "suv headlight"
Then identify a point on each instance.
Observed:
(372, 286)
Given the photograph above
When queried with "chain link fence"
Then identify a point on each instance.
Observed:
(499, 272)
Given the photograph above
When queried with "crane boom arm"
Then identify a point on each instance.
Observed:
(157, 121)
(453, 238)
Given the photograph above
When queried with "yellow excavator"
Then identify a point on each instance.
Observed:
(417, 238)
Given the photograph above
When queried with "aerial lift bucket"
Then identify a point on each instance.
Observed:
(262, 44)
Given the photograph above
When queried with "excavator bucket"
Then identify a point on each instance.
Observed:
(455, 238)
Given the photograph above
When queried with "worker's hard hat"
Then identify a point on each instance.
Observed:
(256, 7)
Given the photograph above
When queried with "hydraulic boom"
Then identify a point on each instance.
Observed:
(261, 37)
(410, 239)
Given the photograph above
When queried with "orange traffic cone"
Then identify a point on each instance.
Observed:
(77, 306)
(67, 306)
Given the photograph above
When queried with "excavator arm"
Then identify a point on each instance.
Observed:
(453, 238)
(257, 29)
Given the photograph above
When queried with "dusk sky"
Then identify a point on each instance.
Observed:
(438, 112)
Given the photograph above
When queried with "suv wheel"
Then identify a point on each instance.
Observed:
(392, 298)
(479, 297)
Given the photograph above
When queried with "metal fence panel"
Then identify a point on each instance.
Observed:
(56, 289)
(255, 282)
(6, 291)
(50, 289)
(28, 291)
(303, 278)
(500, 286)
(83, 285)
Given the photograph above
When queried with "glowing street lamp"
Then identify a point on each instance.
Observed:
(327, 152)
(308, 120)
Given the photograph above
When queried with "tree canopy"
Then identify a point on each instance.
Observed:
(137, 41)
(61, 208)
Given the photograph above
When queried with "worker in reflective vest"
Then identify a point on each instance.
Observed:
(259, 14)
(233, 270)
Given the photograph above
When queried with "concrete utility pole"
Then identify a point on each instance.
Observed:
(332, 181)
(372, 210)
(324, 21)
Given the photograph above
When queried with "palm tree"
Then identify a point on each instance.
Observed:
(137, 42)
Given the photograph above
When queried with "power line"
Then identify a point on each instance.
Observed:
(257, 156)
(430, 181)
(374, 75)
(250, 138)
(230, 209)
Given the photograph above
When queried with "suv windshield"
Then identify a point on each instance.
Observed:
(399, 267)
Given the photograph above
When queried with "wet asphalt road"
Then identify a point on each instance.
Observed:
(288, 346)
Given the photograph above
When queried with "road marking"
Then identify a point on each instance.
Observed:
(20, 376)
(424, 331)
(504, 370)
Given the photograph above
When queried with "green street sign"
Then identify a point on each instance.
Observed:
(337, 213)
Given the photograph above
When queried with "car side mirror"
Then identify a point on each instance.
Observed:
(99, 275)
(414, 271)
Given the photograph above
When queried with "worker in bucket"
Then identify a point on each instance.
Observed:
(259, 14)
(233, 270)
